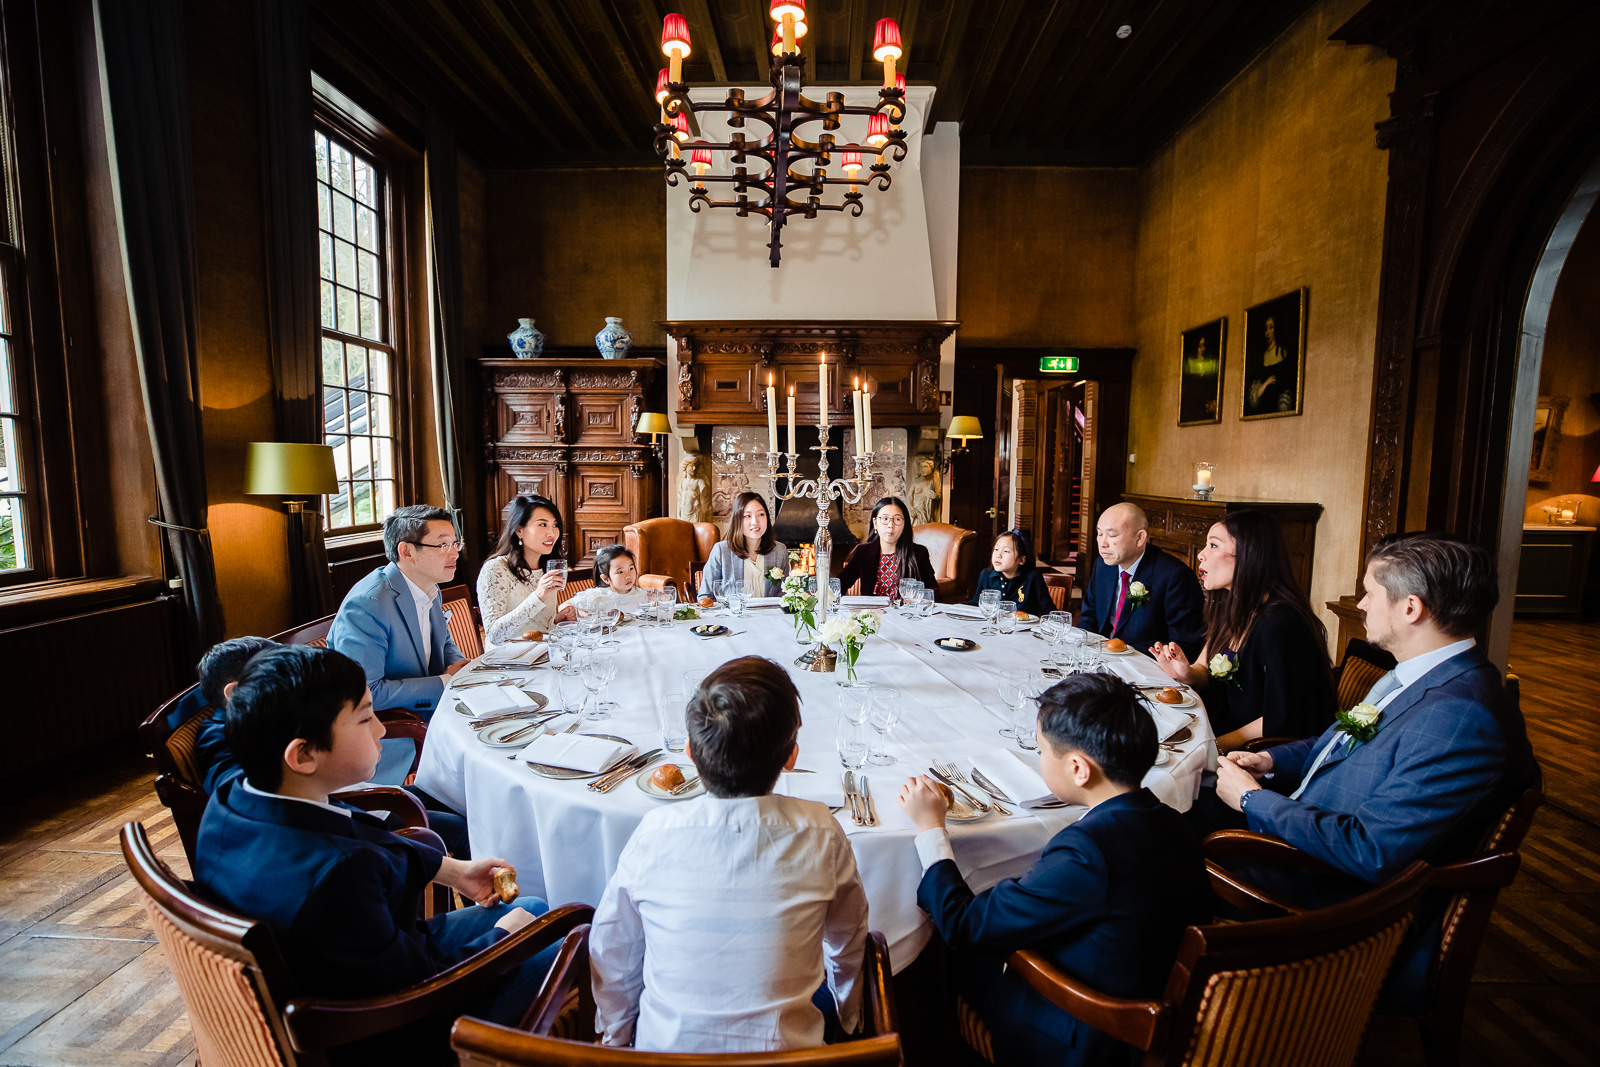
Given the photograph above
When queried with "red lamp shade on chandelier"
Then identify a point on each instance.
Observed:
(878, 130)
(886, 48)
(701, 158)
(675, 44)
(1596, 477)
(790, 15)
(661, 86)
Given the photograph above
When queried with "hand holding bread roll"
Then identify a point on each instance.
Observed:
(505, 883)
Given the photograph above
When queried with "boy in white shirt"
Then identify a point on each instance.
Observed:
(732, 915)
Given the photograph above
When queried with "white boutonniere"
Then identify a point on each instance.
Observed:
(1224, 667)
(1138, 595)
(774, 574)
(1360, 722)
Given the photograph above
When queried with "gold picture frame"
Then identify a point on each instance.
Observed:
(1202, 360)
(1270, 328)
(1547, 419)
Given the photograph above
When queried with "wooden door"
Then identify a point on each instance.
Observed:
(1059, 474)
(999, 508)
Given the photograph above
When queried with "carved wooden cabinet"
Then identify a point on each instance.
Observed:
(1178, 525)
(563, 428)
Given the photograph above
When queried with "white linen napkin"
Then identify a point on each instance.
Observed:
(764, 601)
(962, 611)
(578, 752)
(824, 788)
(864, 601)
(1169, 720)
(1016, 779)
(490, 699)
(529, 652)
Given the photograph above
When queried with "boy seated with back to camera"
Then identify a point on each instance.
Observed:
(1109, 899)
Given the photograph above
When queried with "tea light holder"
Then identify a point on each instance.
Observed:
(1202, 480)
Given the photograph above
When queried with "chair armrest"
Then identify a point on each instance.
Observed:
(398, 723)
(423, 835)
(1493, 871)
(568, 974)
(879, 1016)
(1261, 744)
(315, 1023)
(386, 798)
(1225, 845)
(1140, 1023)
(654, 581)
(1247, 898)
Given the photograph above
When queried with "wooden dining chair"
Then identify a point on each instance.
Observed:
(1363, 664)
(577, 581)
(559, 1026)
(1299, 989)
(1059, 586)
(314, 633)
(245, 1009)
(460, 617)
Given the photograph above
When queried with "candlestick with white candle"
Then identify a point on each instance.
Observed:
(866, 418)
(822, 390)
(1202, 481)
(794, 445)
(772, 416)
(855, 400)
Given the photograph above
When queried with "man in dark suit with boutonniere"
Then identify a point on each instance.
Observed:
(1419, 769)
(1136, 591)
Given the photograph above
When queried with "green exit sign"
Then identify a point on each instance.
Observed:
(1058, 364)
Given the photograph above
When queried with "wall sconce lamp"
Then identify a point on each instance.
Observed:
(963, 428)
(275, 468)
(655, 424)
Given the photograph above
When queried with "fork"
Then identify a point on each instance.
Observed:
(950, 770)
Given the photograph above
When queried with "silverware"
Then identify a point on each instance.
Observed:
(866, 798)
(481, 681)
(980, 805)
(989, 787)
(615, 770)
(635, 765)
(955, 772)
(573, 728)
(708, 637)
(690, 784)
(507, 716)
(850, 795)
(514, 734)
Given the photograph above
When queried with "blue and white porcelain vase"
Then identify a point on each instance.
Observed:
(526, 342)
(613, 341)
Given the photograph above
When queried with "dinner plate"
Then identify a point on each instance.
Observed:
(650, 789)
(1124, 652)
(957, 644)
(494, 735)
(1025, 619)
(567, 774)
(709, 629)
(1164, 756)
(965, 810)
(539, 702)
(1188, 701)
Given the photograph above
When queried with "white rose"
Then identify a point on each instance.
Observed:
(1138, 589)
(1220, 665)
(834, 630)
(1363, 714)
(867, 623)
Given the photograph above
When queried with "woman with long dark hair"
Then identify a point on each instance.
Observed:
(1278, 683)
(515, 593)
(889, 554)
(748, 551)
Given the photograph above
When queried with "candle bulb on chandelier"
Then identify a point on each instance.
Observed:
(675, 44)
(793, 445)
(886, 48)
(790, 15)
(852, 167)
(855, 400)
(701, 160)
(772, 416)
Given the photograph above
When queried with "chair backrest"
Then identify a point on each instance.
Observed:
(1299, 989)
(224, 964)
(664, 546)
(314, 634)
(1059, 586)
(457, 600)
(1360, 670)
(169, 736)
(706, 536)
(481, 1044)
(577, 582)
(943, 542)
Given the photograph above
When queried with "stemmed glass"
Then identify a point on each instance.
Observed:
(885, 714)
(1011, 685)
(1025, 718)
(910, 590)
(989, 604)
(563, 639)
(609, 621)
(855, 701)
(599, 667)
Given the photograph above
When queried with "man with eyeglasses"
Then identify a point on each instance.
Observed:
(392, 622)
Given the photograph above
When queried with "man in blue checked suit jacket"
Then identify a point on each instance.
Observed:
(1173, 605)
(393, 623)
(1446, 755)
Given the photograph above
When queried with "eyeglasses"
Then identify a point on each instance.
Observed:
(457, 545)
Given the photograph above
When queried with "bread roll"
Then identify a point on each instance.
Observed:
(505, 883)
(1170, 695)
(533, 635)
(667, 777)
(1116, 644)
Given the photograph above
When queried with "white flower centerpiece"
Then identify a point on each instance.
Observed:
(850, 633)
(798, 601)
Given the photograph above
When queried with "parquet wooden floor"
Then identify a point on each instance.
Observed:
(83, 984)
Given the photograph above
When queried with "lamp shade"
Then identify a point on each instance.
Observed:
(780, 8)
(701, 157)
(675, 36)
(852, 162)
(661, 86)
(1596, 477)
(964, 427)
(276, 468)
(886, 40)
(652, 422)
(878, 130)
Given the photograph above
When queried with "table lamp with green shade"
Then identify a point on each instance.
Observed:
(278, 468)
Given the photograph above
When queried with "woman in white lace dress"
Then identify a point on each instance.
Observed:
(514, 592)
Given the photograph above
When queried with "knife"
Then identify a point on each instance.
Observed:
(850, 795)
(990, 787)
(621, 774)
(980, 805)
(866, 798)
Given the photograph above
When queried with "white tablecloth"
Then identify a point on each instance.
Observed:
(565, 840)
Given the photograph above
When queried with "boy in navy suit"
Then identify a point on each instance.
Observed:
(337, 890)
(1108, 900)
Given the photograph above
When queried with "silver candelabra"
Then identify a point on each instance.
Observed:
(820, 657)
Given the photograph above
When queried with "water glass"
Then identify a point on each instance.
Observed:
(599, 667)
(925, 602)
(855, 701)
(557, 566)
(674, 732)
(883, 718)
(1011, 686)
(1024, 725)
(691, 682)
(737, 597)
(853, 742)
(574, 695)
(1006, 616)
(989, 604)
(666, 605)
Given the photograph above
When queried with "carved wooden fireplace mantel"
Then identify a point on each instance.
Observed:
(723, 367)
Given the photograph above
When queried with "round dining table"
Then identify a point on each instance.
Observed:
(565, 839)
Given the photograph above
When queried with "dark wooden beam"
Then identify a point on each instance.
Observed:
(516, 37)
(1055, 45)
(996, 29)
(628, 132)
(950, 57)
(859, 42)
(486, 65)
(705, 40)
(1030, 45)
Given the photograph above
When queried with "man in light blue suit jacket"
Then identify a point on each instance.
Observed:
(1446, 755)
(392, 622)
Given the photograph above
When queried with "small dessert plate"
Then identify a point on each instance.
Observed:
(709, 629)
(650, 789)
(963, 810)
(1188, 701)
(957, 644)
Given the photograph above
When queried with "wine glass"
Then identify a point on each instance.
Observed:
(1006, 616)
(908, 591)
(883, 717)
(1026, 717)
(855, 701)
(989, 604)
(1011, 685)
(563, 638)
(691, 682)
(609, 621)
(599, 667)
(853, 742)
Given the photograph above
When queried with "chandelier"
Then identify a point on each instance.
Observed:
(781, 173)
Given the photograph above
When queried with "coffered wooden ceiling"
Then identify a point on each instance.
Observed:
(530, 82)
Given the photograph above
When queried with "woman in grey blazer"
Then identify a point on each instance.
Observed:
(748, 551)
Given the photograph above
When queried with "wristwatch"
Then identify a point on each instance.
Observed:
(1244, 800)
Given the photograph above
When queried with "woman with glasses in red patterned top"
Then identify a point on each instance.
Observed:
(889, 554)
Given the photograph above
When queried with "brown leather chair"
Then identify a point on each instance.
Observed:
(559, 1027)
(243, 1006)
(1298, 989)
(950, 548)
(673, 548)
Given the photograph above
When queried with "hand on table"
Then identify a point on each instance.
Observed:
(568, 613)
(1170, 658)
(921, 800)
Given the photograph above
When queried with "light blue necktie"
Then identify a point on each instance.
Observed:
(1384, 686)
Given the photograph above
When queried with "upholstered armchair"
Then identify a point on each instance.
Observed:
(672, 548)
(950, 548)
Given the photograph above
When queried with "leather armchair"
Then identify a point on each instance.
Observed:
(671, 549)
(950, 548)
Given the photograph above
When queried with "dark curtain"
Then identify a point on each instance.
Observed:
(141, 48)
(289, 195)
(451, 397)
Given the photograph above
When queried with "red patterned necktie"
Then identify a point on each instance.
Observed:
(1122, 602)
